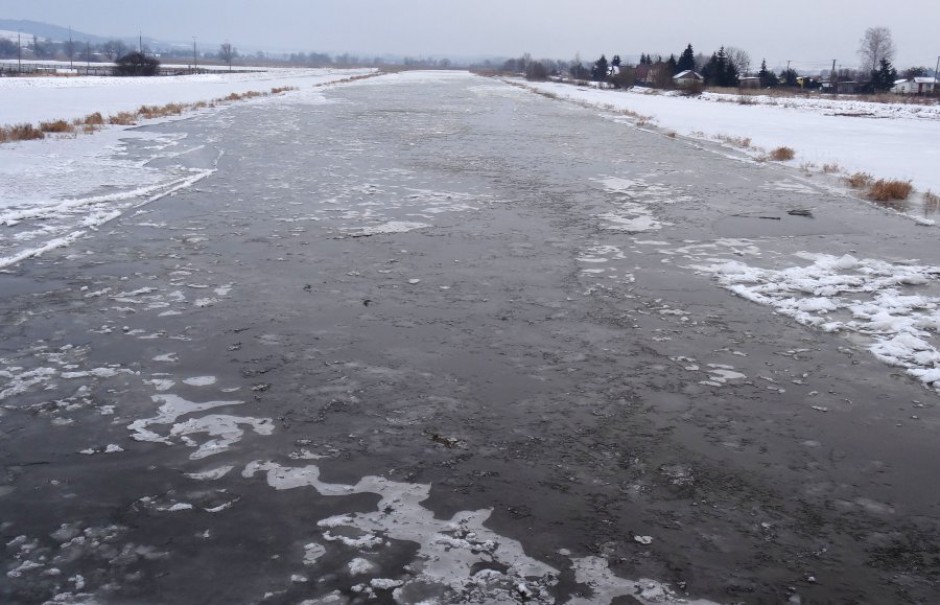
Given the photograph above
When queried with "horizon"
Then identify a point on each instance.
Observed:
(547, 30)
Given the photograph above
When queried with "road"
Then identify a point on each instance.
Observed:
(438, 339)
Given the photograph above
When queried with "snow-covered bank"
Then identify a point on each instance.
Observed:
(53, 191)
(35, 99)
(896, 141)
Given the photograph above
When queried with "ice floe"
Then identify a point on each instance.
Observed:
(894, 305)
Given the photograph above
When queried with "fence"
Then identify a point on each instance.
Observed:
(98, 69)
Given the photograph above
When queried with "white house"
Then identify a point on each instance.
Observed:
(915, 86)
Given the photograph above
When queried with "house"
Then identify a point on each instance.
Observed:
(846, 87)
(687, 79)
(915, 86)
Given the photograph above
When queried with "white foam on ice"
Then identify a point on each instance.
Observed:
(605, 586)
(386, 228)
(171, 408)
(212, 474)
(449, 550)
(892, 305)
(226, 431)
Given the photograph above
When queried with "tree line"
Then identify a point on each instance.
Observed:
(34, 48)
(726, 67)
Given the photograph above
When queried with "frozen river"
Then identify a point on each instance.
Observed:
(430, 338)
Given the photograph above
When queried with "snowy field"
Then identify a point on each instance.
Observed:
(54, 191)
(892, 141)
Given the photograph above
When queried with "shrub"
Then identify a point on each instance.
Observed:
(94, 119)
(124, 118)
(137, 64)
(831, 168)
(884, 190)
(782, 154)
(859, 180)
(536, 71)
(57, 126)
(24, 132)
(159, 111)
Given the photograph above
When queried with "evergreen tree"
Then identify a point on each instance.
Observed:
(599, 72)
(579, 71)
(720, 71)
(788, 77)
(708, 71)
(730, 74)
(767, 78)
(671, 65)
(686, 60)
(883, 78)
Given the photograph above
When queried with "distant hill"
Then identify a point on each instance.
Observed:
(56, 33)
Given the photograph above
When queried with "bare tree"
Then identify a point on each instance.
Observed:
(113, 49)
(227, 53)
(874, 46)
(739, 58)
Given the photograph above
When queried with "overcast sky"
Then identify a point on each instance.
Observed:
(811, 33)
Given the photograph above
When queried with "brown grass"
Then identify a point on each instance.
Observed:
(831, 168)
(782, 154)
(124, 118)
(21, 132)
(859, 180)
(160, 111)
(94, 119)
(785, 93)
(931, 202)
(884, 190)
(351, 79)
(93, 122)
(58, 126)
(742, 142)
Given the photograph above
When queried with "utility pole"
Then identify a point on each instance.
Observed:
(71, 49)
(832, 78)
(87, 57)
(936, 76)
(140, 42)
(195, 59)
(19, 52)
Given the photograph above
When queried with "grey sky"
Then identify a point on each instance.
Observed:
(811, 33)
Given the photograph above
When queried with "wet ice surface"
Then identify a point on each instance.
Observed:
(636, 211)
(371, 359)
